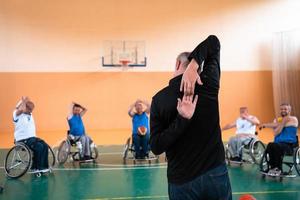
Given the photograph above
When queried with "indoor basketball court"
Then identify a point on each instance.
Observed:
(107, 57)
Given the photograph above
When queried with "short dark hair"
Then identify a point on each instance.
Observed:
(184, 58)
(76, 106)
(244, 108)
(286, 104)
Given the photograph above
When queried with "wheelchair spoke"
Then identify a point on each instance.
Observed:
(257, 151)
(13, 166)
(63, 152)
(17, 161)
(13, 159)
(297, 160)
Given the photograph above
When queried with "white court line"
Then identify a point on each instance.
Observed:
(125, 166)
(119, 167)
(110, 153)
(107, 169)
(132, 165)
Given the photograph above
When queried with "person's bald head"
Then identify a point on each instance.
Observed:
(182, 61)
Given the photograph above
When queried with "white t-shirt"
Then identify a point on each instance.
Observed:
(24, 126)
(244, 126)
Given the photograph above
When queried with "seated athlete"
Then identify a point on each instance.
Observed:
(77, 130)
(25, 132)
(140, 127)
(285, 132)
(245, 130)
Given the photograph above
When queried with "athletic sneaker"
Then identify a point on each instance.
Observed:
(45, 170)
(34, 171)
(274, 172)
(40, 171)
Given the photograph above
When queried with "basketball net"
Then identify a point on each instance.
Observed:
(124, 64)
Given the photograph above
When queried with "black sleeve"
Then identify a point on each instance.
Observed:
(208, 49)
(162, 138)
(208, 53)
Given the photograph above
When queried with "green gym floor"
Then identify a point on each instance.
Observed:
(110, 179)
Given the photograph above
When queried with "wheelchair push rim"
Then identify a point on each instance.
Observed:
(264, 163)
(257, 150)
(63, 152)
(51, 157)
(17, 161)
(297, 160)
(94, 153)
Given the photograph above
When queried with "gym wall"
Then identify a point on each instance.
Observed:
(51, 50)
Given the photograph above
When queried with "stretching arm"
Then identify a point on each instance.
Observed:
(229, 126)
(207, 51)
(161, 137)
(21, 106)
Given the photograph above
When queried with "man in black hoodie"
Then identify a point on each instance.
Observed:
(187, 128)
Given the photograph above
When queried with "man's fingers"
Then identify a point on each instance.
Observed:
(195, 100)
(187, 98)
(186, 87)
(192, 90)
(184, 98)
(190, 98)
(178, 103)
(181, 85)
(199, 81)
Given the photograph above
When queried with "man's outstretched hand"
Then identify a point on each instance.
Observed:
(186, 106)
(189, 78)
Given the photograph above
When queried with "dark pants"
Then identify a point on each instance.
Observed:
(213, 185)
(40, 152)
(141, 145)
(276, 152)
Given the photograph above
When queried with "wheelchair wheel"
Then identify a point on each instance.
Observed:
(51, 157)
(17, 161)
(228, 154)
(126, 149)
(94, 152)
(264, 163)
(297, 160)
(63, 152)
(257, 149)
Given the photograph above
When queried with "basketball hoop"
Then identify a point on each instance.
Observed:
(124, 63)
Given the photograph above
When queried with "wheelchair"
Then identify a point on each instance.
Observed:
(129, 149)
(18, 160)
(71, 148)
(291, 161)
(252, 152)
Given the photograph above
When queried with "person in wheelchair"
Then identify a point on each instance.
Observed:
(77, 130)
(140, 127)
(25, 132)
(285, 138)
(245, 130)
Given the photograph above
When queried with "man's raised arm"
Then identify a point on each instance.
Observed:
(206, 50)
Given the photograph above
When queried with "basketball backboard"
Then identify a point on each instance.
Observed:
(118, 53)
